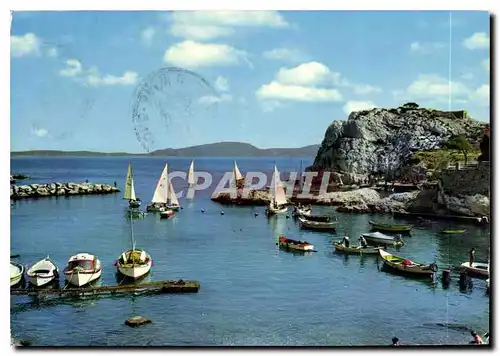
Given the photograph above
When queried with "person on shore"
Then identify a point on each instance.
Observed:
(362, 242)
(472, 255)
(346, 241)
(476, 339)
(395, 341)
(114, 183)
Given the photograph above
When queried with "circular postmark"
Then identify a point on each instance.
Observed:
(172, 103)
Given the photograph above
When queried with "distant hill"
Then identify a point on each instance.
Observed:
(218, 149)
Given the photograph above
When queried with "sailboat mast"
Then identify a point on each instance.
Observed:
(132, 230)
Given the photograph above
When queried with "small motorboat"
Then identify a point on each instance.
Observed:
(43, 272)
(294, 244)
(383, 239)
(166, 213)
(317, 225)
(359, 250)
(407, 266)
(389, 227)
(82, 269)
(477, 268)
(449, 232)
(16, 273)
(319, 218)
(134, 264)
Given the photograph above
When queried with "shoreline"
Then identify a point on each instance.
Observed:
(20, 192)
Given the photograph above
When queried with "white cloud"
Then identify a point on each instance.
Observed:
(206, 25)
(486, 65)
(311, 73)
(364, 89)
(74, 67)
(284, 54)
(270, 105)
(52, 52)
(433, 86)
(467, 76)
(28, 44)
(479, 40)
(212, 99)
(352, 105)
(39, 132)
(128, 78)
(280, 91)
(482, 95)
(147, 35)
(195, 55)
(426, 47)
(221, 84)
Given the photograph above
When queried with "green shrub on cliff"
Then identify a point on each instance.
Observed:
(439, 159)
(461, 144)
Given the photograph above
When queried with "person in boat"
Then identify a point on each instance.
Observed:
(345, 241)
(472, 255)
(476, 339)
(395, 341)
(362, 242)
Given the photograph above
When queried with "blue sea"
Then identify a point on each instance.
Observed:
(252, 293)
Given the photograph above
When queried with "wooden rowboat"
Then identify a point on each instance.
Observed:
(458, 231)
(383, 239)
(294, 244)
(389, 227)
(369, 250)
(407, 266)
(317, 225)
(477, 268)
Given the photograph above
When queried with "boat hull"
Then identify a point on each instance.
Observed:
(295, 245)
(358, 250)
(40, 281)
(415, 269)
(173, 207)
(390, 228)
(449, 232)
(137, 267)
(273, 211)
(165, 214)
(134, 204)
(42, 273)
(476, 269)
(79, 279)
(155, 208)
(383, 240)
(16, 273)
(317, 225)
(135, 272)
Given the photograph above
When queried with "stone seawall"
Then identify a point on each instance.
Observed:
(469, 180)
(59, 189)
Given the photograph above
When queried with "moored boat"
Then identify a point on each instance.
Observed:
(457, 231)
(160, 195)
(82, 269)
(390, 227)
(369, 250)
(190, 176)
(320, 218)
(43, 272)
(383, 239)
(166, 213)
(278, 202)
(16, 273)
(317, 225)
(129, 194)
(172, 201)
(300, 210)
(407, 266)
(477, 268)
(294, 244)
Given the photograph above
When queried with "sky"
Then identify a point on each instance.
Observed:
(269, 78)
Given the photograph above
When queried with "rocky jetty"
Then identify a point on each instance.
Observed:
(379, 139)
(59, 189)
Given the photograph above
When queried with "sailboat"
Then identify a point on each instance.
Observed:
(133, 201)
(278, 202)
(134, 263)
(172, 201)
(238, 177)
(160, 196)
(191, 181)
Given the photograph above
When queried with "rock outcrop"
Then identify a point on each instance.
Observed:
(374, 140)
(59, 189)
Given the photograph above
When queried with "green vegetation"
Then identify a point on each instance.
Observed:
(439, 159)
(461, 144)
(410, 105)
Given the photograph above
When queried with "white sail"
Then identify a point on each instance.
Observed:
(237, 174)
(161, 192)
(129, 193)
(191, 174)
(278, 192)
(171, 194)
(132, 190)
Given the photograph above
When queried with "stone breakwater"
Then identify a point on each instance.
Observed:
(59, 189)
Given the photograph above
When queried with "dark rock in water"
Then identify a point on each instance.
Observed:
(19, 343)
(58, 189)
(137, 321)
(19, 176)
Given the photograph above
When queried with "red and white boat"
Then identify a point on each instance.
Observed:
(295, 244)
(82, 269)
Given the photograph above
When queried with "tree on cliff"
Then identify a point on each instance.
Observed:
(411, 105)
(461, 144)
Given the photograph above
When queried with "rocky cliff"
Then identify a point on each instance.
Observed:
(377, 139)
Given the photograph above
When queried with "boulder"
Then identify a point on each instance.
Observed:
(137, 321)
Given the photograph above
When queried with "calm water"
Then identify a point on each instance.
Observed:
(252, 294)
